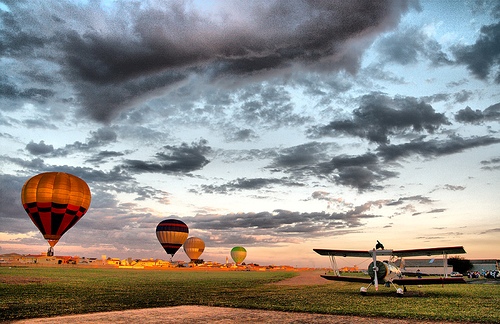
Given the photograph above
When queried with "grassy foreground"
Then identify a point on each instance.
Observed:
(33, 292)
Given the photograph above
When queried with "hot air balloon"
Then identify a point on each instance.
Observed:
(55, 201)
(172, 233)
(194, 247)
(238, 254)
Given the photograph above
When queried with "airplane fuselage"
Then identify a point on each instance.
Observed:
(386, 272)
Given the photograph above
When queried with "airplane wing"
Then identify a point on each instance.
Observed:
(428, 281)
(349, 279)
(344, 253)
(429, 251)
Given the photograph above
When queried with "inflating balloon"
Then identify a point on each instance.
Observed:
(194, 247)
(55, 201)
(171, 234)
(238, 254)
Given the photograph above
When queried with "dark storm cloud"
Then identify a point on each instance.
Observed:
(367, 171)
(467, 115)
(483, 57)
(433, 148)
(40, 148)
(102, 137)
(379, 117)
(125, 53)
(410, 46)
(175, 159)
(282, 222)
(302, 155)
(363, 172)
(11, 91)
(251, 184)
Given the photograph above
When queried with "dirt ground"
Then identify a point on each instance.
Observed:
(205, 314)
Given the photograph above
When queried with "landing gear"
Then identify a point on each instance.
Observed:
(399, 291)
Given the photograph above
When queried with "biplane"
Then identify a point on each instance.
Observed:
(388, 273)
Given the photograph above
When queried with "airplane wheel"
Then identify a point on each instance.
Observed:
(363, 291)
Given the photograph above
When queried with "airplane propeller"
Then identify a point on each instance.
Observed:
(375, 269)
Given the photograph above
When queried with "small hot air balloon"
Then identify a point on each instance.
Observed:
(194, 247)
(55, 201)
(238, 254)
(171, 234)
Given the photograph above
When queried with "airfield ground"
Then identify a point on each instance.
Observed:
(205, 314)
(198, 314)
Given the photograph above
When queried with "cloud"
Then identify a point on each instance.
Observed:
(12, 91)
(454, 188)
(282, 222)
(368, 171)
(175, 159)
(102, 137)
(126, 53)
(491, 165)
(483, 57)
(420, 199)
(467, 115)
(492, 231)
(250, 184)
(362, 172)
(379, 117)
(433, 148)
(302, 155)
(410, 46)
(40, 148)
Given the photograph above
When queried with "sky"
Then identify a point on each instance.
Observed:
(279, 126)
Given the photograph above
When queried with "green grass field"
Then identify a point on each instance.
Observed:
(30, 292)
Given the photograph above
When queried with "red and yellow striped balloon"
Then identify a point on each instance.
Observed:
(55, 201)
(171, 234)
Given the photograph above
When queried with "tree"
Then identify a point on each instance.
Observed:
(460, 264)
